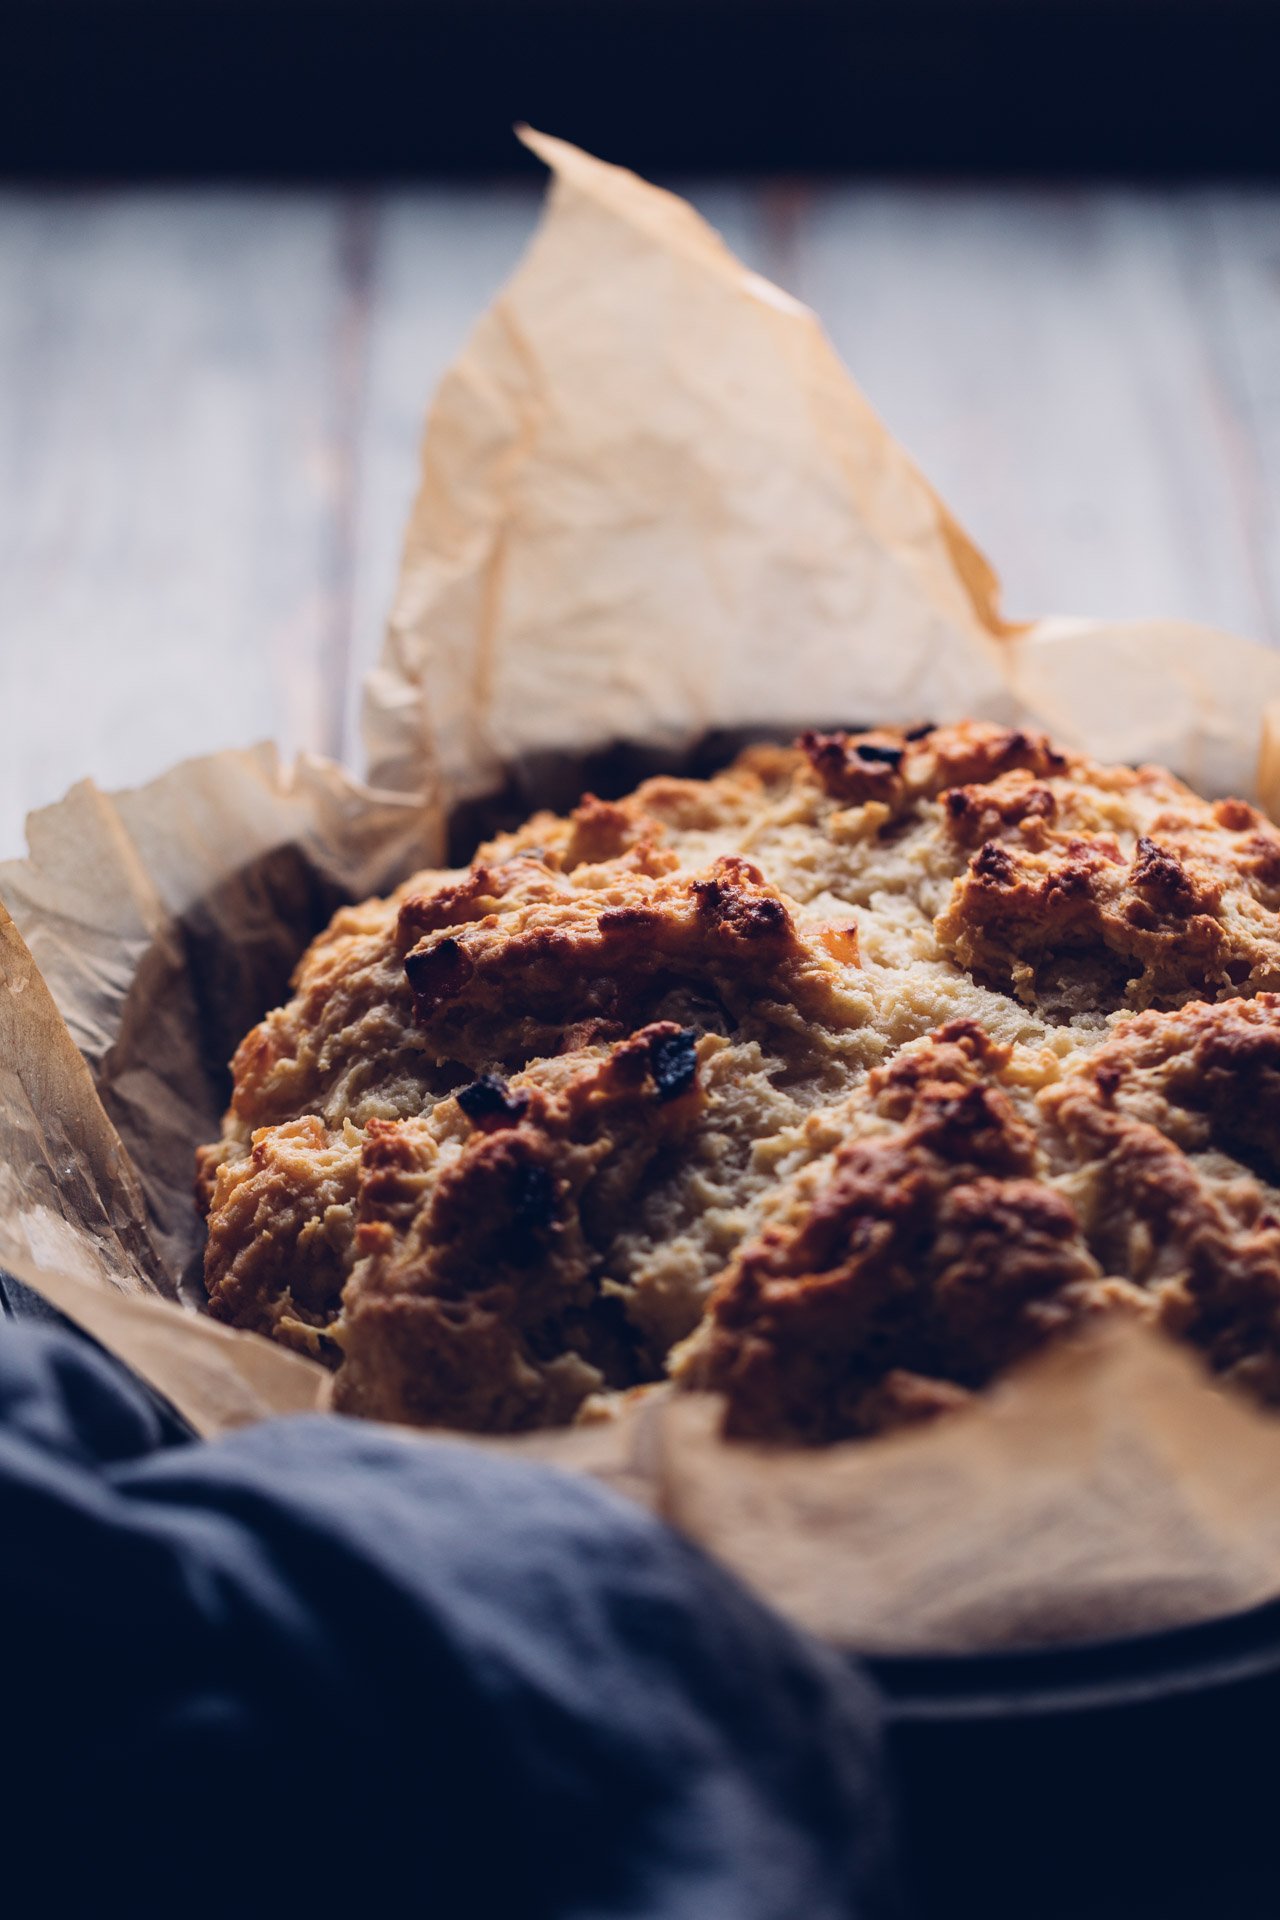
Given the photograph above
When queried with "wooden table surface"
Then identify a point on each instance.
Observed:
(211, 401)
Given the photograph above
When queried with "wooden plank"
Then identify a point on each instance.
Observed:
(175, 375)
(434, 260)
(1235, 239)
(1043, 357)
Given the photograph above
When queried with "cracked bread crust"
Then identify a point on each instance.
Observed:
(904, 1268)
(479, 1234)
(513, 957)
(836, 1082)
(963, 1219)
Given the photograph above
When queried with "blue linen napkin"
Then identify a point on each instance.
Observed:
(317, 1666)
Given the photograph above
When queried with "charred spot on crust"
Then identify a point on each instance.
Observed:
(1017, 748)
(489, 1103)
(1160, 875)
(854, 768)
(886, 764)
(976, 1123)
(620, 920)
(662, 1056)
(532, 1199)
(975, 813)
(673, 1062)
(437, 973)
(993, 863)
(1108, 1079)
(1068, 882)
(497, 1205)
(729, 902)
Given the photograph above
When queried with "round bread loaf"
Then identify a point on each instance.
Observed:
(834, 1083)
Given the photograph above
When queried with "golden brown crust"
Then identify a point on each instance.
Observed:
(912, 1264)
(346, 1045)
(921, 1257)
(1174, 1127)
(478, 1300)
(281, 1232)
(901, 768)
(496, 963)
(848, 1040)
(1186, 910)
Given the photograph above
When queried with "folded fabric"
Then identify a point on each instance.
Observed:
(319, 1665)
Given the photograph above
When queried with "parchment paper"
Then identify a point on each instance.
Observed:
(654, 512)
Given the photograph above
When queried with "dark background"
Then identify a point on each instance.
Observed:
(369, 88)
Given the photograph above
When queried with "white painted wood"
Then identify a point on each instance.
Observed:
(1043, 357)
(1236, 235)
(435, 259)
(171, 463)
